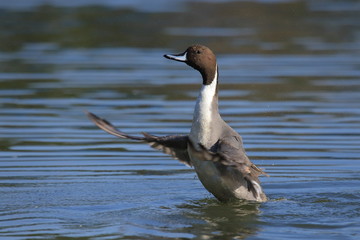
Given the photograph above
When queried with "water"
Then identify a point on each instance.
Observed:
(292, 93)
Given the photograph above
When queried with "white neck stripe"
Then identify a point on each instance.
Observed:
(201, 128)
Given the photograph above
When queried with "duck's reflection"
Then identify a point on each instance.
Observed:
(210, 219)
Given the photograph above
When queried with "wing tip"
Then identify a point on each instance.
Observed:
(94, 118)
(108, 127)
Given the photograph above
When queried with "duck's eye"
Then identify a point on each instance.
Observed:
(198, 51)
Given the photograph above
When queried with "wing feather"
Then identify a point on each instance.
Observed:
(174, 145)
(228, 153)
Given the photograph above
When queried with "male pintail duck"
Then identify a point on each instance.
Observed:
(213, 148)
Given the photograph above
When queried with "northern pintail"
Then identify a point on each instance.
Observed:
(213, 148)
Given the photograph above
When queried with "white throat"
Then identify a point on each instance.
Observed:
(203, 113)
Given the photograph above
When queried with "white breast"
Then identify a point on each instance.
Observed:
(201, 126)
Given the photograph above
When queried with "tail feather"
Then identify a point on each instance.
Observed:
(254, 187)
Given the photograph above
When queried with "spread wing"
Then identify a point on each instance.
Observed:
(229, 152)
(174, 145)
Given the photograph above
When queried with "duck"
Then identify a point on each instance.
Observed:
(212, 148)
